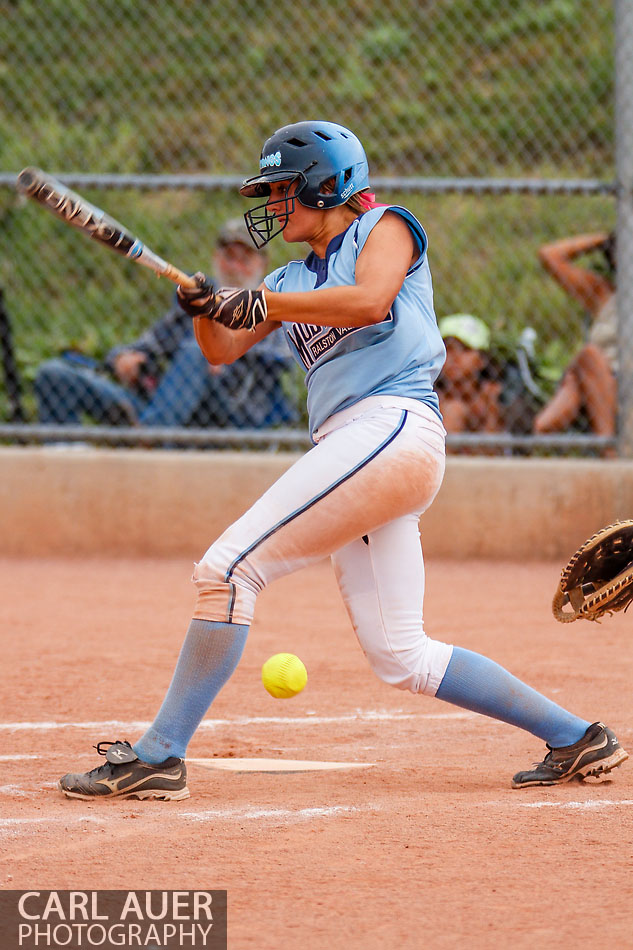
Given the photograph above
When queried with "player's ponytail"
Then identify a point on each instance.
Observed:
(361, 202)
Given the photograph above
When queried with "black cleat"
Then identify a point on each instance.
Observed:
(123, 775)
(596, 753)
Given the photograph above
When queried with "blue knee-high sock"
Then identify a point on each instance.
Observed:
(474, 682)
(208, 657)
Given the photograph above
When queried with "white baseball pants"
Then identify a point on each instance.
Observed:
(357, 496)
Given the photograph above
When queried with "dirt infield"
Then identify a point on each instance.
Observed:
(428, 847)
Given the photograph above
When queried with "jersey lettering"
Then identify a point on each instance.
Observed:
(313, 341)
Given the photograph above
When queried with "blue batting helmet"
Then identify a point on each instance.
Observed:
(311, 154)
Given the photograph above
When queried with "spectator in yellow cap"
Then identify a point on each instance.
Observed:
(468, 386)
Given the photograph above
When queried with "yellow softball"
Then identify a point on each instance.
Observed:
(284, 675)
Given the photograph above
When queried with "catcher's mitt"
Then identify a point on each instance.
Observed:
(599, 577)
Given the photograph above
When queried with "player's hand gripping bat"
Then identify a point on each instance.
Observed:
(75, 210)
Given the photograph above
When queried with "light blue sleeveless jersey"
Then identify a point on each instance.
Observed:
(401, 356)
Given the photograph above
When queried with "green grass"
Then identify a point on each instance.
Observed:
(483, 257)
(433, 87)
(443, 87)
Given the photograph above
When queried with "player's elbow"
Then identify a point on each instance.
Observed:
(377, 315)
(215, 344)
(375, 309)
(226, 360)
(213, 356)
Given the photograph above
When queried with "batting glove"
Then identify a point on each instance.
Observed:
(239, 309)
(197, 301)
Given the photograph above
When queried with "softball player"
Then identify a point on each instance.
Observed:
(358, 316)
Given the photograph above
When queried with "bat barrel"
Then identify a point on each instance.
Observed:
(95, 223)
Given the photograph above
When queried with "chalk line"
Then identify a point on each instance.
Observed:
(210, 724)
(590, 804)
(15, 791)
(9, 823)
(246, 813)
(19, 755)
(277, 814)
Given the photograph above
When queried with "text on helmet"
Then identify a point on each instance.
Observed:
(268, 161)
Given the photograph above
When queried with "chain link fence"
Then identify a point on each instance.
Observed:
(492, 120)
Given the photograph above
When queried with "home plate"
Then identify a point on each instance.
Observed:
(275, 765)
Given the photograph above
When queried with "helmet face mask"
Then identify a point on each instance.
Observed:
(264, 225)
(327, 160)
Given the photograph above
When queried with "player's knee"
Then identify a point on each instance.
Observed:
(396, 672)
(223, 564)
(418, 669)
(227, 584)
(207, 574)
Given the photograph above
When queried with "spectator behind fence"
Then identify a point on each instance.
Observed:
(588, 387)
(163, 379)
(468, 386)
